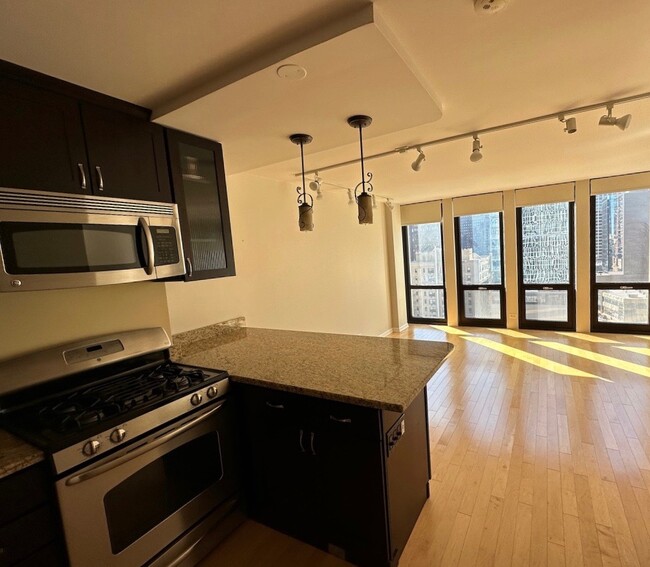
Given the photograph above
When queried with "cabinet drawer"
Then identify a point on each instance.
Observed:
(24, 536)
(23, 491)
(348, 419)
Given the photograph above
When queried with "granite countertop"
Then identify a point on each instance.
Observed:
(16, 454)
(376, 372)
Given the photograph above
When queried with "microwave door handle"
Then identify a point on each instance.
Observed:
(151, 251)
(117, 461)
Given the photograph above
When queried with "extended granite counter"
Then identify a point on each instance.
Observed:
(376, 372)
(16, 454)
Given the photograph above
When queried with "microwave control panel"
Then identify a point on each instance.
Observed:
(165, 244)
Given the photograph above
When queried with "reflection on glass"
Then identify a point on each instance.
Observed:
(482, 304)
(621, 234)
(425, 254)
(623, 306)
(544, 305)
(480, 243)
(202, 207)
(428, 303)
(545, 244)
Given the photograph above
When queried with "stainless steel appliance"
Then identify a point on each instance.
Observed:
(143, 448)
(57, 240)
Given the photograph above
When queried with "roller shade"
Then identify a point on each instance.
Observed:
(478, 204)
(421, 213)
(620, 183)
(558, 193)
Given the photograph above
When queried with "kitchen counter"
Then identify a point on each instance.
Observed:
(16, 454)
(381, 373)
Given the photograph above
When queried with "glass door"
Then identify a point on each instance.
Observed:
(425, 280)
(620, 261)
(479, 261)
(545, 255)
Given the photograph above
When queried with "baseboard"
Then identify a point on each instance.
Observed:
(395, 330)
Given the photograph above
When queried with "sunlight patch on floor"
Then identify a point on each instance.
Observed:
(597, 357)
(450, 330)
(637, 350)
(544, 363)
(586, 337)
(513, 333)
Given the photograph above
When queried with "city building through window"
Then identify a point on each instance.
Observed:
(425, 283)
(620, 261)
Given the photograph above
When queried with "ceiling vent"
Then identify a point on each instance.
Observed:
(489, 6)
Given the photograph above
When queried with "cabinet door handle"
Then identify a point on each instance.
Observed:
(275, 406)
(302, 447)
(100, 177)
(341, 419)
(83, 175)
(311, 442)
(190, 271)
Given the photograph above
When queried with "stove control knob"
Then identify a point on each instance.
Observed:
(212, 392)
(118, 435)
(196, 399)
(91, 448)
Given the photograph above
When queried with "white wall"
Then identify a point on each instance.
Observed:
(334, 279)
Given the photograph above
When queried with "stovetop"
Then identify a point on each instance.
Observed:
(63, 420)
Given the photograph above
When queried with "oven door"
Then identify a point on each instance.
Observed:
(123, 510)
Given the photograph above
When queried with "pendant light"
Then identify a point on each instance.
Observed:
(305, 201)
(364, 200)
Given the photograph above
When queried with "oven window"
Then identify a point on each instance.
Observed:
(157, 491)
(46, 248)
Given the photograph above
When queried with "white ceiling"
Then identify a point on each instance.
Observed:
(532, 58)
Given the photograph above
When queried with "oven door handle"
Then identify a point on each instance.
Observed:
(117, 461)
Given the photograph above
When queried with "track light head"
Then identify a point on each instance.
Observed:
(351, 200)
(608, 120)
(389, 203)
(417, 164)
(570, 125)
(476, 150)
(315, 184)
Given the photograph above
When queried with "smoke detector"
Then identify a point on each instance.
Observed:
(489, 6)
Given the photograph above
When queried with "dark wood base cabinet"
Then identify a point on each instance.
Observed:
(348, 479)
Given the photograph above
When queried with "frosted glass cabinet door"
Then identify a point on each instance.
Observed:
(199, 185)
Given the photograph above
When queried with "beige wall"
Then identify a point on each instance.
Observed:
(334, 279)
(33, 320)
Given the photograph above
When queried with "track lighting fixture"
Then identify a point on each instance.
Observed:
(417, 164)
(390, 204)
(476, 154)
(305, 201)
(315, 184)
(374, 202)
(570, 126)
(364, 201)
(350, 197)
(608, 120)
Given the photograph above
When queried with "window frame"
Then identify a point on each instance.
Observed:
(595, 287)
(407, 277)
(462, 288)
(570, 288)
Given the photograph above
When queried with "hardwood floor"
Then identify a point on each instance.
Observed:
(540, 449)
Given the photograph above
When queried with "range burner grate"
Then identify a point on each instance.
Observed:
(97, 403)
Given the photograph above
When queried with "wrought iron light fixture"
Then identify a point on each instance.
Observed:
(364, 200)
(305, 201)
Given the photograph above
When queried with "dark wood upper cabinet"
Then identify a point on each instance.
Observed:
(199, 189)
(126, 155)
(42, 141)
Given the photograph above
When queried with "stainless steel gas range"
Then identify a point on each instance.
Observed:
(142, 448)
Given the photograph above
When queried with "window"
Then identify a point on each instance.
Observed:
(425, 281)
(545, 244)
(620, 261)
(479, 251)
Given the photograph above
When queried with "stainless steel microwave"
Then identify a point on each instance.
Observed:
(57, 240)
